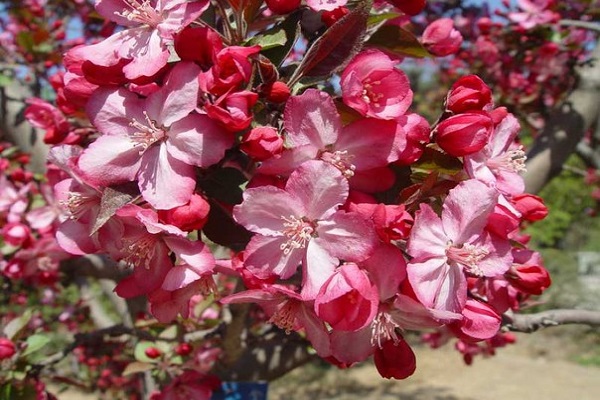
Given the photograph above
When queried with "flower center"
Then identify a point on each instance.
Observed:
(140, 252)
(467, 255)
(285, 316)
(340, 160)
(383, 329)
(369, 94)
(512, 160)
(76, 204)
(299, 231)
(147, 133)
(142, 12)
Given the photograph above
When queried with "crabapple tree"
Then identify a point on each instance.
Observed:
(215, 191)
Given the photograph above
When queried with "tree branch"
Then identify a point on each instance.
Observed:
(532, 322)
(565, 128)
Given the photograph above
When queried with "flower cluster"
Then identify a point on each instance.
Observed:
(347, 217)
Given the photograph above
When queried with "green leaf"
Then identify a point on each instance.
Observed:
(274, 37)
(398, 40)
(35, 343)
(25, 40)
(378, 18)
(137, 367)
(291, 27)
(5, 80)
(12, 329)
(433, 160)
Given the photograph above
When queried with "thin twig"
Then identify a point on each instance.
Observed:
(592, 26)
(532, 322)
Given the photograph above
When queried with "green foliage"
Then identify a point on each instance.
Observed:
(567, 198)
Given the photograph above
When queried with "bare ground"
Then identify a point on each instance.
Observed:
(539, 367)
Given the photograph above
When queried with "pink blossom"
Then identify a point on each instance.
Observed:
(300, 224)
(325, 5)
(289, 311)
(152, 25)
(441, 39)
(156, 141)
(146, 246)
(373, 86)
(500, 161)
(314, 130)
(446, 248)
(347, 300)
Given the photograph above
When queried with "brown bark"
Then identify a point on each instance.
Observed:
(565, 128)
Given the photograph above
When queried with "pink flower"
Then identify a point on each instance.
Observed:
(441, 39)
(301, 224)
(500, 161)
(348, 300)
(373, 86)
(146, 245)
(289, 311)
(152, 25)
(325, 5)
(232, 70)
(44, 115)
(446, 248)
(314, 131)
(156, 141)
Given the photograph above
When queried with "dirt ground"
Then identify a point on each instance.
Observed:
(536, 368)
(539, 367)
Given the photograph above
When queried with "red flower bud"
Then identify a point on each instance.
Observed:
(530, 279)
(262, 143)
(281, 7)
(464, 134)
(152, 352)
(532, 208)
(188, 217)
(7, 348)
(276, 92)
(467, 94)
(183, 349)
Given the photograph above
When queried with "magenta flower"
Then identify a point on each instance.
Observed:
(152, 25)
(446, 248)
(156, 141)
(301, 224)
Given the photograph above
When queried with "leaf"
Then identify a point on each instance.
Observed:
(274, 37)
(35, 343)
(291, 28)
(339, 43)
(222, 229)
(113, 198)
(433, 160)
(398, 40)
(5, 80)
(12, 329)
(137, 367)
(140, 352)
(378, 18)
(224, 184)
